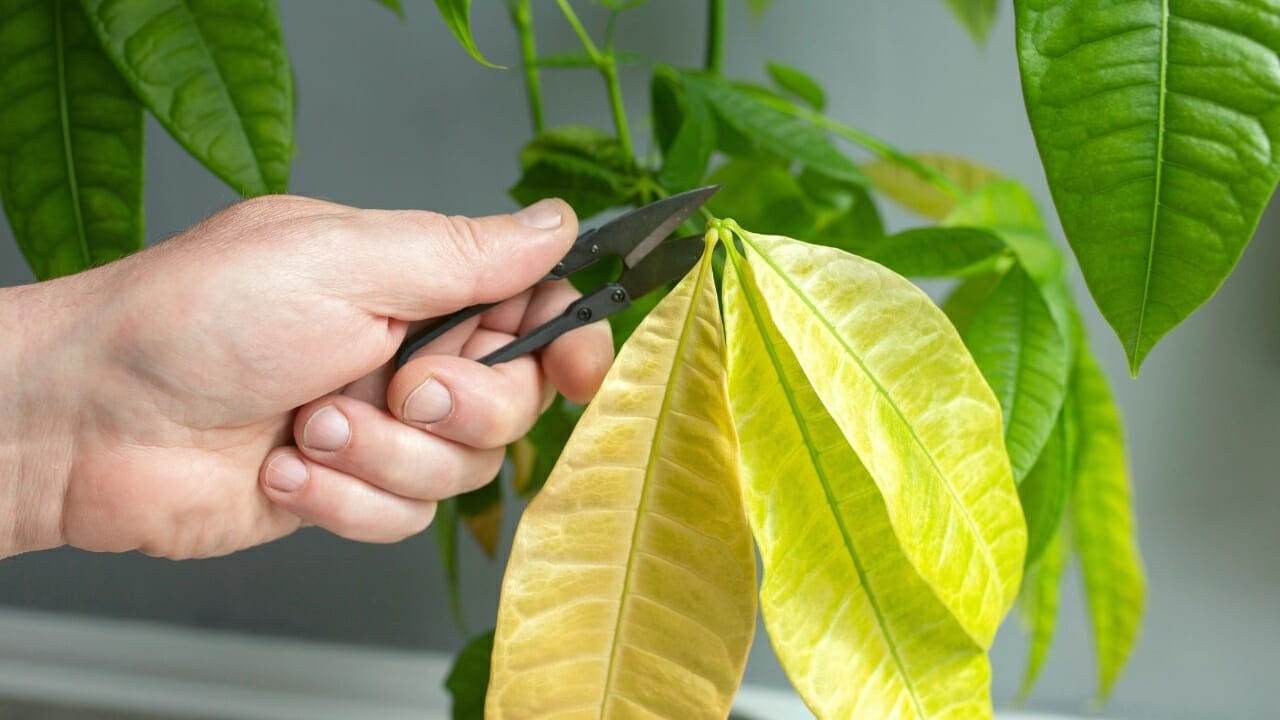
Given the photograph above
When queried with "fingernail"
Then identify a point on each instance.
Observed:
(430, 403)
(542, 215)
(286, 474)
(327, 430)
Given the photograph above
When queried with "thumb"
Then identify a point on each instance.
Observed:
(413, 265)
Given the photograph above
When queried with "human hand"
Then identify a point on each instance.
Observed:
(223, 388)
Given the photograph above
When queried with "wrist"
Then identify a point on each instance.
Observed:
(38, 415)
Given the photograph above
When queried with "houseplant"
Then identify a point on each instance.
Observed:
(756, 171)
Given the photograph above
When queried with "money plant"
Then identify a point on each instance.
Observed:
(905, 472)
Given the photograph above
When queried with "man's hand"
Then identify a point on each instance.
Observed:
(223, 388)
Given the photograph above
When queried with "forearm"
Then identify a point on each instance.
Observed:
(37, 414)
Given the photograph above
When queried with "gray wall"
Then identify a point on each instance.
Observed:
(396, 116)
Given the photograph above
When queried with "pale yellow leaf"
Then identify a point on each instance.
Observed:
(899, 383)
(630, 592)
(905, 187)
(857, 630)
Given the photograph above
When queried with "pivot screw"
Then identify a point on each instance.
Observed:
(584, 314)
(618, 296)
(595, 249)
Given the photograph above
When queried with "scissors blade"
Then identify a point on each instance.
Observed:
(635, 234)
(669, 262)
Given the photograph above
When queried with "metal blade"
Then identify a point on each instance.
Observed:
(635, 234)
(666, 264)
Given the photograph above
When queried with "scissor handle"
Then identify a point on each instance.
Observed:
(435, 330)
(598, 305)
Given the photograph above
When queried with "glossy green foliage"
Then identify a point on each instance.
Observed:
(1045, 490)
(761, 192)
(457, 15)
(837, 591)
(582, 165)
(469, 677)
(1102, 518)
(931, 252)
(977, 16)
(216, 74)
(1158, 123)
(688, 151)
(799, 84)
(70, 141)
(1025, 358)
(758, 117)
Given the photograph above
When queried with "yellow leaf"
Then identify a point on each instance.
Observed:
(858, 631)
(631, 586)
(1102, 517)
(899, 383)
(902, 185)
(523, 454)
(1038, 605)
(485, 526)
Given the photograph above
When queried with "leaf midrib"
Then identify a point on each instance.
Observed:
(226, 90)
(64, 120)
(933, 463)
(1135, 357)
(667, 396)
(820, 470)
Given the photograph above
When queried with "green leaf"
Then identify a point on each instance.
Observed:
(1045, 490)
(685, 160)
(1038, 601)
(70, 141)
(798, 83)
(977, 16)
(457, 15)
(1026, 359)
(906, 187)
(759, 118)
(897, 380)
(582, 165)
(1102, 517)
(761, 194)
(481, 510)
(837, 590)
(759, 7)
(469, 678)
(666, 101)
(216, 74)
(394, 6)
(845, 215)
(937, 251)
(446, 525)
(964, 301)
(1159, 127)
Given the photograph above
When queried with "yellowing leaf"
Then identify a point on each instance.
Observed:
(631, 586)
(897, 380)
(1039, 606)
(858, 631)
(1102, 516)
(905, 187)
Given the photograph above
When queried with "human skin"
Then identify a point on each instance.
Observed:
(227, 386)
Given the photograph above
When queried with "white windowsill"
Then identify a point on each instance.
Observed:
(149, 668)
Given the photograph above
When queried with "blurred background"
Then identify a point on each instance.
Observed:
(397, 116)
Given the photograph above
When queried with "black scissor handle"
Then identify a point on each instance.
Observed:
(598, 305)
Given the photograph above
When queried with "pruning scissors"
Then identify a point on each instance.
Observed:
(648, 263)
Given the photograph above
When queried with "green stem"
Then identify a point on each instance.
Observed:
(592, 51)
(522, 16)
(607, 64)
(879, 147)
(610, 71)
(717, 11)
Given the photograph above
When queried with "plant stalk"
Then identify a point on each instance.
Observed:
(522, 16)
(607, 64)
(717, 12)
